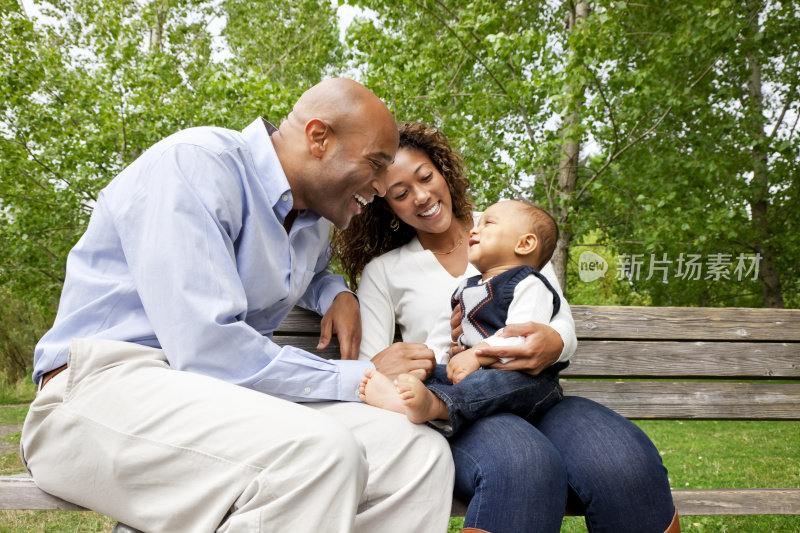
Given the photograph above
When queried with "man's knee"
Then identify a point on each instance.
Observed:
(332, 448)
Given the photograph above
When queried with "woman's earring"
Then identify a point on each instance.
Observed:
(394, 224)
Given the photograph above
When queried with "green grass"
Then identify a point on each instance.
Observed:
(13, 414)
(54, 521)
(23, 391)
(698, 454)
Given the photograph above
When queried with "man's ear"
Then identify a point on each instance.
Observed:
(527, 244)
(318, 137)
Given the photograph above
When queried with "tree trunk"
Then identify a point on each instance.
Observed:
(568, 162)
(770, 282)
(157, 29)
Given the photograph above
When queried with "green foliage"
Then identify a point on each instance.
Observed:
(693, 185)
(662, 97)
(86, 89)
(610, 288)
(680, 155)
(21, 326)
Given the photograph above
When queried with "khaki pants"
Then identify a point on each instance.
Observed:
(121, 433)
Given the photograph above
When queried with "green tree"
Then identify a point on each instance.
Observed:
(88, 85)
(91, 84)
(658, 93)
(718, 177)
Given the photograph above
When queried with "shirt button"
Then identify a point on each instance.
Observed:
(284, 197)
(307, 390)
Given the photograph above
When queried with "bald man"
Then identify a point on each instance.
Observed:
(163, 401)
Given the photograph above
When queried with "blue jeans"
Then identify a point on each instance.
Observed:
(520, 475)
(487, 391)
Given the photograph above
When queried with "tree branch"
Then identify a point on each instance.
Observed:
(33, 200)
(523, 110)
(608, 106)
(791, 132)
(52, 171)
(444, 23)
(613, 157)
(785, 107)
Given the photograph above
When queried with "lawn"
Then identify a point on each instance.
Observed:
(698, 454)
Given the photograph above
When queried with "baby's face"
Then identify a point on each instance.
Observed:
(493, 240)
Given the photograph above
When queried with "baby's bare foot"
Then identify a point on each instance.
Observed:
(378, 390)
(421, 405)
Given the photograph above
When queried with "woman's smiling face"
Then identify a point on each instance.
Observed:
(418, 193)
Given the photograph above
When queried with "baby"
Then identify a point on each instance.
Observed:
(511, 242)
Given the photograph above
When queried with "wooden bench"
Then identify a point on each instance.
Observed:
(718, 363)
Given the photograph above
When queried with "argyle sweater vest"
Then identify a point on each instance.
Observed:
(484, 306)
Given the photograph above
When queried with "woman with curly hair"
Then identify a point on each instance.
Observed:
(410, 249)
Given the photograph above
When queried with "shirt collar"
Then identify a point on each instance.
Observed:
(268, 167)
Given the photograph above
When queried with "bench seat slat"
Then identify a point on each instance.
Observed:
(737, 501)
(693, 400)
(20, 492)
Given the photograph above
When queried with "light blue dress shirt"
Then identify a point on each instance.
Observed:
(186, 251)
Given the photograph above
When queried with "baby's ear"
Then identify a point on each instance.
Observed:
(527, 244)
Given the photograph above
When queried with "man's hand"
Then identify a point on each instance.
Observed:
(542, 348)
(405, 358)
(344, 319)
(462, 365)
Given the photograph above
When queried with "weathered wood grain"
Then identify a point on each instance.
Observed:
(737, 501)
(748, 360)
(693, 400)
(636, 342)
(663, 359)
(300, 321)
(309, 344)
(677, 323)
(20, 492)
(686, 323)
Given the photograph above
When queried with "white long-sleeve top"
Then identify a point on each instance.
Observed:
(409, 286)
(532, 302)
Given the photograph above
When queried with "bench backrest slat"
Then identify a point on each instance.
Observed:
(686, 323)
(693, 352)
(665, 359)
(693, 400)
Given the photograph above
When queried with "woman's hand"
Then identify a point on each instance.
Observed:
(405, 358)
(456, 330)
(344, 319)
(542, 347)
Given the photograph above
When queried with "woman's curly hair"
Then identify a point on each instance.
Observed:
(369, 234)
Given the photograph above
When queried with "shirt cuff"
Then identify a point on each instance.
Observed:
(351, 373)
(329, 293)
(568, 337)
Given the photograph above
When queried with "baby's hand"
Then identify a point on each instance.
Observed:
(462, 365)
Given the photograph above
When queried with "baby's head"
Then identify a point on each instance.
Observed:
(512, 233)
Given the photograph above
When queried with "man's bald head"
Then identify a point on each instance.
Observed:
(336, 142)
(343, 104)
